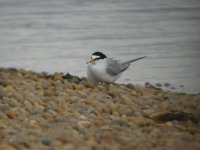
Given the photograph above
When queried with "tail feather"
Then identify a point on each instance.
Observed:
(130, 61)
(126, 64)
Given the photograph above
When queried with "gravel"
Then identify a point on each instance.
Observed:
(58, 111)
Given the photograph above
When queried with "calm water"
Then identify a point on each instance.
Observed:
(60, 35)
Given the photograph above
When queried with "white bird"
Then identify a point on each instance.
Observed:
(103, 69)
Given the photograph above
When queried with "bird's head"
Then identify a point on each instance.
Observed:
(96, 56)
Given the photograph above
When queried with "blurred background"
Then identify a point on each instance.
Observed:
(60, 35)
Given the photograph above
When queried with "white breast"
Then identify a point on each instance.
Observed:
(97, 73)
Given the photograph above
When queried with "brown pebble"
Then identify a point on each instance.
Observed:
(57, 77)
(6, 147)
(50, 93)
(10, 115)
(2, 122)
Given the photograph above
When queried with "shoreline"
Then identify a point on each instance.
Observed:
(165, 86)
(61, 111)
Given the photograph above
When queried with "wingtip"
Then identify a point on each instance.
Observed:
(141, 57)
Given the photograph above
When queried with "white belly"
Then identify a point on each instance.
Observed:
(97, 73)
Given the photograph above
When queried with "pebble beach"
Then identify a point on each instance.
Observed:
(59, 111)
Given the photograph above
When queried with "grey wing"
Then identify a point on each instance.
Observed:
(114, 67)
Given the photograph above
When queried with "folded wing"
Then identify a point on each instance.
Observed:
(115, 67)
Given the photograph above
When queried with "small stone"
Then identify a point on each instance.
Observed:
(68, 76)
(45, 86)
(52, 104)
(9, 89)
(107, 110)
(82, 117)
(11, 115)
(113, 107)
(28, 105)
(169, 124)
(91, 142)
(4, 107)
(46, 142)
(90, 85)
(83, 124)
(51, 110)
(3, 115)
(167, 84)
(32, 121)
(117, 114)
(129, 113)
(14, 103)
(84, 82)
(120, 122)
(6, 147)
(78, 87)
(133, 93)
(2, 122)
(57, 77)
(82, 94)
(3, 82)
(169, 116)
(158, 85)
(147, 129)
(13, 70)
(173, 88)
(106, 127)
(164, 106)
(99, 121)
(193, 130)
(180, 127)
(37, 108)
(141, 121)
(130, 86)
(125, 97)
(137, 114)
(68, 146)
(49, 93)
(75, 80)
(148, 85)
(148, 112)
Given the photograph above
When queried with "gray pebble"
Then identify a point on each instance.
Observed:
(120, 122)
(4, 107)
(130, 86)
(167, 84)
(75, 80)
(158, 85)
(46, 142)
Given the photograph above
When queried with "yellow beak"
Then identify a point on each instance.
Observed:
(91, 61)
